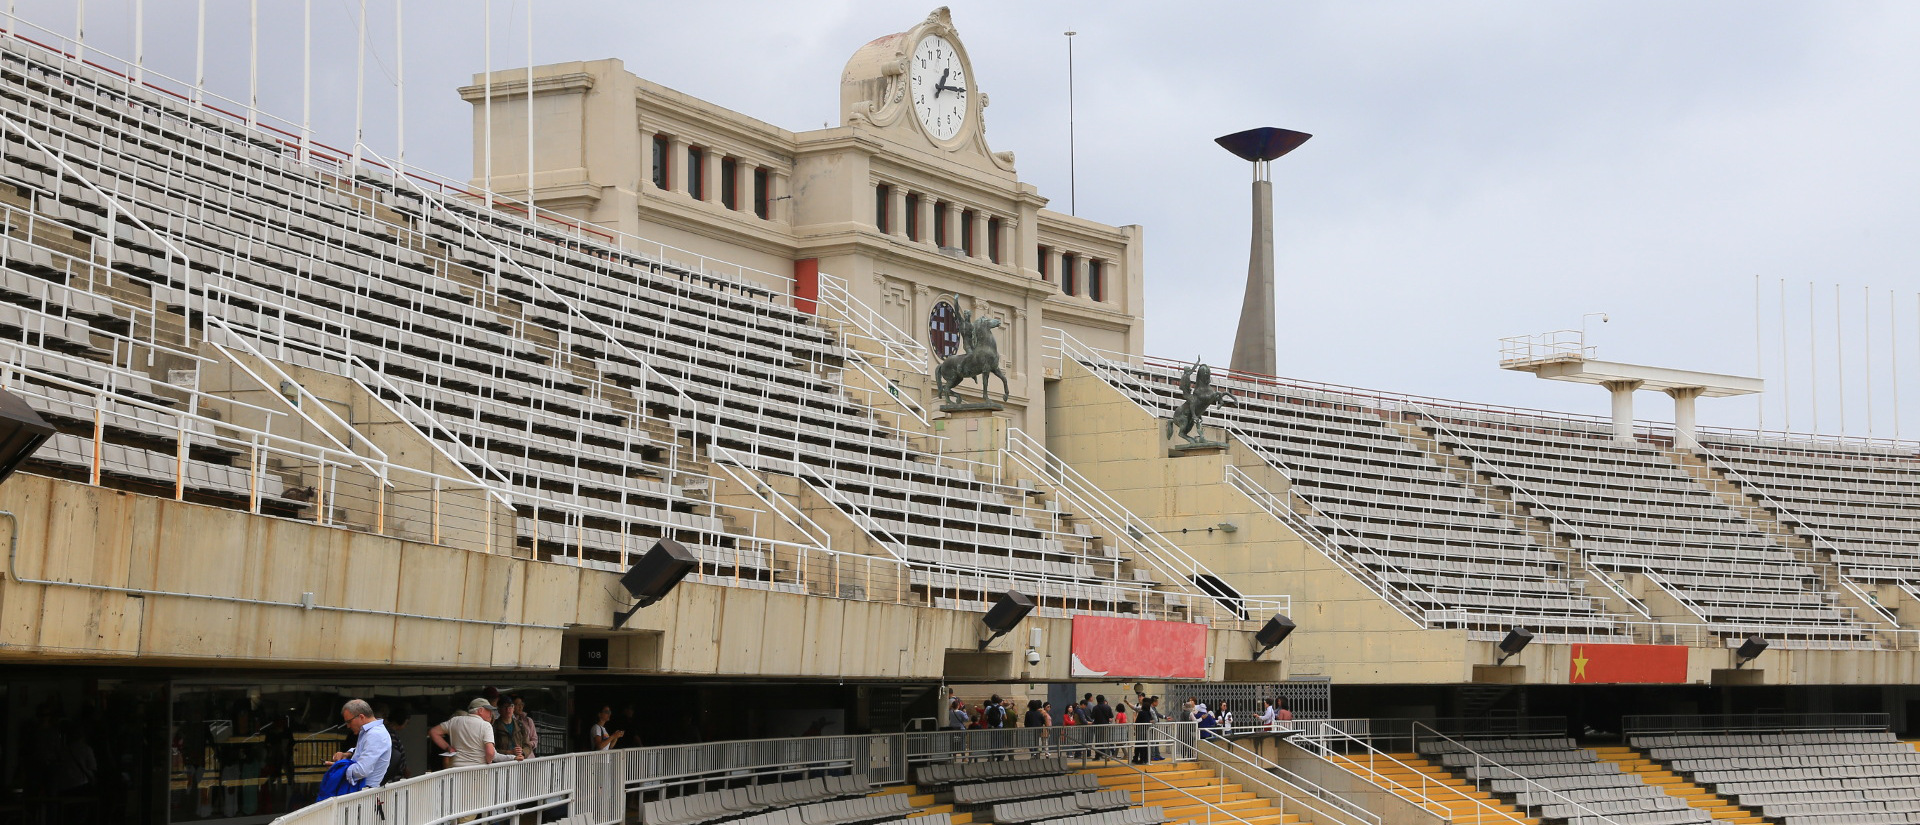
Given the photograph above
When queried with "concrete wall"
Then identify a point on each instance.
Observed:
(196, 564)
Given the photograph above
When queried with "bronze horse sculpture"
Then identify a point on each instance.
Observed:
(1196, 383)
(979, 358)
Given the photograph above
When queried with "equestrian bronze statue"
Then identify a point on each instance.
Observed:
(978, 358)
(1196, 383)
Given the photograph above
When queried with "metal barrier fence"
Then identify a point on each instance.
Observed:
(1728, 722)
(598, 785)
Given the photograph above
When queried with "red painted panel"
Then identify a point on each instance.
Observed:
(806, 285)
(1137, 648)
(1641, 664)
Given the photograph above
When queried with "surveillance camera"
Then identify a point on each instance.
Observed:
(1033, 656)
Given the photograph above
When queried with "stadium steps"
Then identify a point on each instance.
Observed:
(1174, 787)
(1502, 501)
(1730, 494)
(1760, 517)
(1634, 762)
(1415, 776)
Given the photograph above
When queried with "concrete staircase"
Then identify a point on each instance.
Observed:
(1409, 777)
(925, 802)
(1653, 773)
(1608, 594)
(1769, 523)
(1191, 793)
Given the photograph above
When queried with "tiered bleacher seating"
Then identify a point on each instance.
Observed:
(1381, 499)
(986, 793)
(693, 809)
(1556, 779)
(941, 774)
(582, 377)
(1862, 502)
(1635, 510)
(1053, 808)
(1801, 777)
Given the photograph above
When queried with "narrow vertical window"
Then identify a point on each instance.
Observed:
(1068, 262)
(966, 232)
(912, 217)
(993, 240)
(661, 146)
(730, 183)
(882, 199)
(1096, 280)
(696, 173)
(762, 202)
(940, 223)
(1046, 263)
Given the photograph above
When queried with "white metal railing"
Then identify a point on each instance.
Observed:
(1123, 379)
(1332, 744)
(1558, 345)
(1169, 561)
(1280, 782)
(1514, 487)
(1805, 530)
(598, 785)
(1485, 765)
(153, 88)
(1363, 575)
(895, 348)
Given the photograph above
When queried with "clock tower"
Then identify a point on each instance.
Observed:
(917, 88)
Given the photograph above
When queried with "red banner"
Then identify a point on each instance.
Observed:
(1137, 648)
(1619, 664)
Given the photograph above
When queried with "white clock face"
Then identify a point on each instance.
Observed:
(939, 87)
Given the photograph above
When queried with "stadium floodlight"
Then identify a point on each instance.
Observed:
(1007, 611)
(1254, 342)
(22, 431)
(1270, 635)
(652, 577)
(1517, 640)
(1749, 650)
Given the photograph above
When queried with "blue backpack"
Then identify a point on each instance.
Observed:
(335, 782)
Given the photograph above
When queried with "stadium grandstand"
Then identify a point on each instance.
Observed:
(655, 412)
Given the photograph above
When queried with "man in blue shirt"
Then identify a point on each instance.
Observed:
(373, 750)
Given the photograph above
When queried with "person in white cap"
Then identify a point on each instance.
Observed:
(470, 736)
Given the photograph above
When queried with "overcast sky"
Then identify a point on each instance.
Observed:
(1477, 170)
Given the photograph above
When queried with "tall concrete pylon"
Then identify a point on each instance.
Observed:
(1254, 347)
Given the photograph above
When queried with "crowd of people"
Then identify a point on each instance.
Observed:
(1094, 709)
(493, 728)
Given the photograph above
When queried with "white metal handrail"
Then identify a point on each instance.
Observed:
(1169, 560)
(1290, 785)
(1534, 503)
(897, 347)
(1804, 529)
(1482, 761)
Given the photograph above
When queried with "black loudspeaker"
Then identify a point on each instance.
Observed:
(1517, 640)
(1007, 611)
(1749, 650)
(1271, 634)
(654, 575)
(21, 432)
(593, 654)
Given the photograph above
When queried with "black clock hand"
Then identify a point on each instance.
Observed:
(942, 82)
(955, 89)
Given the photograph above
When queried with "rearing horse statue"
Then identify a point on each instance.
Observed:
(1200, 396)
(979, 359)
